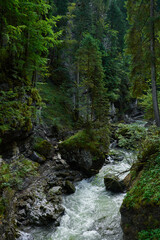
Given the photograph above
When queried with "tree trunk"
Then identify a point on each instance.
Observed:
(77, 95)
(153, 67)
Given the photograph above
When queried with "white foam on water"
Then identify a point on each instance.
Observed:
(92, 213)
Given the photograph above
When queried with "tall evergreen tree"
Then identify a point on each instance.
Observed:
(143, 47)
(91, 70)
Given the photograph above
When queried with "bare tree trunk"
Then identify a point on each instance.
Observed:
(153, 67)
(77, 94)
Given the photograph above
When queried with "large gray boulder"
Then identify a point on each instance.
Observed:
(113, 184)
(83, 160)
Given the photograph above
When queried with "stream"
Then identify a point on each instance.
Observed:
(91, 213)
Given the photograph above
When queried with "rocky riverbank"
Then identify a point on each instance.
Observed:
(37, 179)
(140, 211)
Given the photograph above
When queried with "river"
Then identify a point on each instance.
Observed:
(91, 213)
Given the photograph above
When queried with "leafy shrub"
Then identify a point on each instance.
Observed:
(12, 175)
(130, 135)
(17, 108)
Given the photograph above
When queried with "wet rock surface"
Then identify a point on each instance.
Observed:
(41, 203)
(135, 220)
(83, 160)
(113, 184)
(38, 201)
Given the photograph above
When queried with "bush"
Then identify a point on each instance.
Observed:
(130, 135)
(12, 175)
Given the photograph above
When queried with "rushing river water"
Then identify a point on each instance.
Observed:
(91, 213)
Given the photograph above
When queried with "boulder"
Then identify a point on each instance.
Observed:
(134, 220)
(113, 184)
(55, 191)
(83, 160)
(70, 188)
(37, 158)
(82, 153)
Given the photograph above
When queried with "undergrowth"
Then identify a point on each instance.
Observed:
(153, 234)
(130, 135)
(57, 105)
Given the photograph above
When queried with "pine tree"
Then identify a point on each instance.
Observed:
(92, 74)
(143, 47)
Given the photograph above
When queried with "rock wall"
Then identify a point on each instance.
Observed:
(140, 210)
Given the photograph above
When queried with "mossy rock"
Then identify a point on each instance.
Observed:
(82, 152)
(141, 206)
(43, 147)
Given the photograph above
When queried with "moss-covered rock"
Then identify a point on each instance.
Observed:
(43, 147)
(82, 152)
(141, 207)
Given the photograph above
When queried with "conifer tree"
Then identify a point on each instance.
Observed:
(143, 47)
(92, 74)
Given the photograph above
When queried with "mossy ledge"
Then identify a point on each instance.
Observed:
(140, 210)
(83, 151)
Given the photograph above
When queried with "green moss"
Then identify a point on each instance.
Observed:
(12, 175)
(43, 148)
(84, 140)
(17, 109)
(153, 234)
(146, 190)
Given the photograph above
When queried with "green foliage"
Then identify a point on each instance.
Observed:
(87, 139)
(91, 70)
(138, 45)
(57, 108)
(147, 104)
(25, 39)
(130, 135)
(146, 189)
(153, 234)
(117, 19)
(12, 175)
(17, 109)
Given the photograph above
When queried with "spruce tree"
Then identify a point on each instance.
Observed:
(92, 74)
(143, 47)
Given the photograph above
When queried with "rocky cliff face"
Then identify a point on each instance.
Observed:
(133, 220)
(38, 176)
(140, 210)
